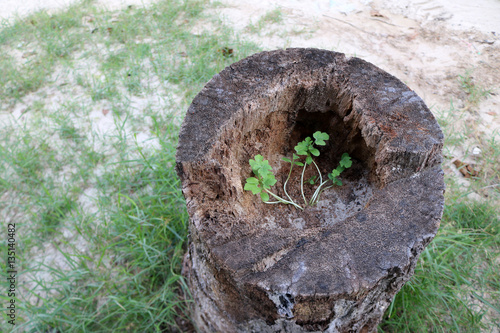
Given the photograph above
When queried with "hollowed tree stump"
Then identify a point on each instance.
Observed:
(334, 267)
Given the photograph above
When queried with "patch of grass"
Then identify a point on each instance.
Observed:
(81, 175)
(274, 16)
(489, 160)
(32, 46)
(53, 211)
(102, 87)
(20, 79)
(452, 123)
(477, 216)
(475, 92)
(455, 286)
(461, 137)
(133, 284)
(67, 130)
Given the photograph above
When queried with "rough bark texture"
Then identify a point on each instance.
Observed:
(334, 267)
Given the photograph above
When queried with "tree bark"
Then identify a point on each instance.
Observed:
(336, 266)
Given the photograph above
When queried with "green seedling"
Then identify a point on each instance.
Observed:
(345, 162)
(312, 180)
(264, 178)
(263, 181)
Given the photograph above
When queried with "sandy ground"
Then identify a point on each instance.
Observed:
(427, 44)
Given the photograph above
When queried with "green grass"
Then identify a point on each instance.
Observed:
(90, 181)
(265, 22)
(456, 283)
(475, 92)
(89, 121)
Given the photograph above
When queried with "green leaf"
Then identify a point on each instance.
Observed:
(255, 164)
(264, 196)
(299, 163)
(258, 159)
(335, 173)
(312, 180)
(301, 148)
(309, 160)
(345, 160)
(260, 166)
(320, 138)
(265, 167)
(338, 182)
(269, 181)
(295, 157)
(252, 180)
(252, 187)
(314, 151)
(286, 159)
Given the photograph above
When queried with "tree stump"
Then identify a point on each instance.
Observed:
(336, 266)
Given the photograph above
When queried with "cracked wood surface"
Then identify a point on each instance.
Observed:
(336, 266)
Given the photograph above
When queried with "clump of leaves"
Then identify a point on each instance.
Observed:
(264, 178)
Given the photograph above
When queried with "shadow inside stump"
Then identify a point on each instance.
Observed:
(275, 135)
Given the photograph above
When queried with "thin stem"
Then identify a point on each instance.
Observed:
(324, 190)
(283, 200)
(302, 183)
(317, 193)
(288, 178)
(320, 182)
(320, 178)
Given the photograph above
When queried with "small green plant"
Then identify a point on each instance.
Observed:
(474, 91)
(264, 177)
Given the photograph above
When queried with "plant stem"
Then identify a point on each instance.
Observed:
(317, 193)
(302, 183)
(287, 179)
(320, 178)
(283, 200)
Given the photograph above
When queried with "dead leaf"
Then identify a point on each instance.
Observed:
(226, 52)
(467, 170)
(110, 30)
(105, 111)
(491, 113)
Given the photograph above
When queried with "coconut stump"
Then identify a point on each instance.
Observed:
(336, 266)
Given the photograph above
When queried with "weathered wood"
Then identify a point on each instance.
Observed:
(336, 266)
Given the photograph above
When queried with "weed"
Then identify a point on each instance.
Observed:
(474, 91)
(265, 178)
(274, 16)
